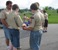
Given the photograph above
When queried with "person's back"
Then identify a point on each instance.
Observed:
(13, 20)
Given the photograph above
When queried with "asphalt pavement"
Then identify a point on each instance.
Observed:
(49, 39)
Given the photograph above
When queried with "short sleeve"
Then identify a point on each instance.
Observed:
(19, 20)
(2, 15)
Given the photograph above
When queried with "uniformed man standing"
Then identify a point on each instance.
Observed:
(14, 23)
(3, 16)
(35, 27)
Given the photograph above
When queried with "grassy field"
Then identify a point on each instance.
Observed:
(52, 15)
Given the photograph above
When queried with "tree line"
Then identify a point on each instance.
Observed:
(26, 10)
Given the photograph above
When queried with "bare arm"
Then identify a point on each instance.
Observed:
(3, 16)
(27, 28)
(4, 22)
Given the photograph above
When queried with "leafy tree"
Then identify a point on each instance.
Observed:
(46, 8)
(57, 10)
(1, 10)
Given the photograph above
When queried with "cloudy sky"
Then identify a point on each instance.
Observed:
(26, 3)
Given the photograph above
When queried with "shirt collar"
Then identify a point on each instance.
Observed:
(8, 10)
(36, 11)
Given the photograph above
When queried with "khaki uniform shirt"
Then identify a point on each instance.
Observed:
(4, 13)
(37, 20)
(14, 20)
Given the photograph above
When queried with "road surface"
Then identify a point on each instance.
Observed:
(49, 39)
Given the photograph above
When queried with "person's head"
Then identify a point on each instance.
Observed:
(44, 11)
(34, 7)
(15, 7)
(9, 4)
(24, 14)
(37, 4)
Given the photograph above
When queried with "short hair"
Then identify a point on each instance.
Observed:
(44, 11)
(8, 2)
(24, 14)
(14, 7)
(34, 7)
(37, 4)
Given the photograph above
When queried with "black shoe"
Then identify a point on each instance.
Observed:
(44, 31)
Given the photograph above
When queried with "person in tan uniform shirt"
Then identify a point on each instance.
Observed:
(4, 13)
(35, 27)
(14, 20)
(14, 23)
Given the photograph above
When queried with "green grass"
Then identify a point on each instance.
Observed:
(52, 16)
